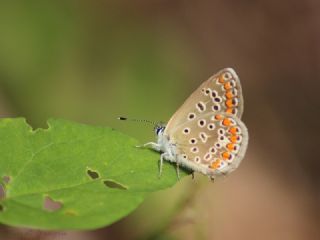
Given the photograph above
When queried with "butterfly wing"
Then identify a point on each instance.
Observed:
(220, 93)
(211, 143)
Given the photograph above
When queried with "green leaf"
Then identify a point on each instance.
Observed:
(73, 176)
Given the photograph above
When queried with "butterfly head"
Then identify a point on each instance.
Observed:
(159, 128)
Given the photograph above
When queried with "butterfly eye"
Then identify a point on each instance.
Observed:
(201, 123)
(158, 130)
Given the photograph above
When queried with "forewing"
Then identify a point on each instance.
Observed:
(220, 93)
(214, 141)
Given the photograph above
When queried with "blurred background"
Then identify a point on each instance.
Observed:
(91, 61)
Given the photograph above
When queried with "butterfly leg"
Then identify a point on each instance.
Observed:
(212, 179)
(161, 163)
(153, 145)
(178, 171)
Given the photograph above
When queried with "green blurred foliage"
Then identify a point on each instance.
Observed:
(90, 62)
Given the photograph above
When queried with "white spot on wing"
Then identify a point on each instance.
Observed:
(202, 123)
(207, 157)
(193, 140)
(194, 149)
(197, 159)
(191, 116)
(186, 131)
(201, 106)
(203, 136)
(211, 126)
(227, 76)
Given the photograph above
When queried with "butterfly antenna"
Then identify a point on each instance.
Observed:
(136, 120)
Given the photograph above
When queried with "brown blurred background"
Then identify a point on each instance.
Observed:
(90, 61)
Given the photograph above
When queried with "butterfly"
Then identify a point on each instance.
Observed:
(206, 134)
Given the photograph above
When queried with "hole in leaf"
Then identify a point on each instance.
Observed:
(50, 205)
(93, 174)
(2, 192)
(43, 126)
(6, 179)
(113, 184)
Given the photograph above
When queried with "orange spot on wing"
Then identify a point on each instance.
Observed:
(229, 103)
(229, 110)
(215, 164)
(221, 80)
(227, 86)
(229, 94)
(233, 138)
(226, 122)
(230, 146)
(218, 117)
(233, 130)
(226, 155)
